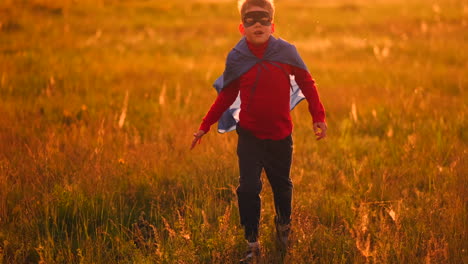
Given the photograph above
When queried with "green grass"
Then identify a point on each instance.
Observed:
(388, 185)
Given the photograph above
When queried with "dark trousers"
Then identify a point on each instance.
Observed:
(275, 157)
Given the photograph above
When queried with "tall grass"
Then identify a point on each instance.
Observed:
(98, 101)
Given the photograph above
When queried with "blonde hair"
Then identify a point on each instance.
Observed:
(243, 5)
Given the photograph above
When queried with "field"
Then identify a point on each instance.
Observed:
(99, 101)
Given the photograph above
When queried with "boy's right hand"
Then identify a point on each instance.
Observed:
(197, 138)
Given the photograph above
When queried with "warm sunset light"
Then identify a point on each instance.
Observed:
(101, 102)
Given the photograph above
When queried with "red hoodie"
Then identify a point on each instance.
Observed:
(265, 110)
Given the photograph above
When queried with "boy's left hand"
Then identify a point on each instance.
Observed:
(320, 129)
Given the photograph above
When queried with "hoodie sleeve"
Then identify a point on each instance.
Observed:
(224, 100)
(307, 85)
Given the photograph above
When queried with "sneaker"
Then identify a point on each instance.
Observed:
(282, 234)
(252, 255)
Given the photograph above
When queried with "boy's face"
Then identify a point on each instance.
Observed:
(256, 25)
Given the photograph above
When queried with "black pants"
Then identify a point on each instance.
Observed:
(275, 157)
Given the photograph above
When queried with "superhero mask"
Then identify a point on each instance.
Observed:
(249, 19)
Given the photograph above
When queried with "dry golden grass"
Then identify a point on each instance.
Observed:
(99, 99)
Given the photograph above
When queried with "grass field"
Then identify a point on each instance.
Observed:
(99, 101)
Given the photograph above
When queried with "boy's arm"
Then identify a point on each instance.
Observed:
(316, 109)
(225, 99)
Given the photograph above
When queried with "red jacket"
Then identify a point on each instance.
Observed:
(265, 110)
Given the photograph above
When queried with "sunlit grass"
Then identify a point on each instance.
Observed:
(99, 99)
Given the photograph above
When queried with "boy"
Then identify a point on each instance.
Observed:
(258, 71)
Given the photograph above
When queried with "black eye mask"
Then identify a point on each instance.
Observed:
(253, 17)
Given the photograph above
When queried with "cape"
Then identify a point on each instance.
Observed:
(240, 60)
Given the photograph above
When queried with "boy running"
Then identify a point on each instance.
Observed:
(257, 73)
